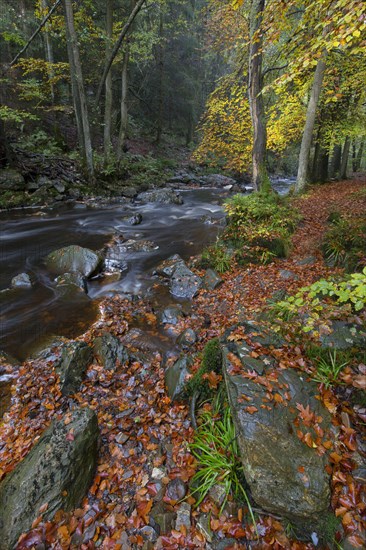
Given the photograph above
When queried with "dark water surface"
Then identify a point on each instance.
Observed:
(29, 316)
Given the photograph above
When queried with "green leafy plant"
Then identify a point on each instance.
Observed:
(344, 243)
(40, 142)
(216, 449)
(216, 257)
(328, 370)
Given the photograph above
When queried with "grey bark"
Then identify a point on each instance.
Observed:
(49, 54)
(336, 160)
(108, 84)
(160, 63)
(124, 106)
(117, 46)
(345, 155)
(303, 169)
(359, 155)
(79, 88)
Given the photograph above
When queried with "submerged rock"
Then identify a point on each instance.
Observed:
(75, 279)
(21, 281)
(75, 359)
(286, 476)
(57, 472)
(74, 259)
(108, 350)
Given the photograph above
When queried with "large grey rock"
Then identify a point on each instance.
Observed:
(218, 180)
(171, 315)
(175, 377)
(75, 359)
(72, 279)
(284, 474)
(108, 350)
(74, 259)
(184, 283)
(162, 196)
(11, 179)
(57, 471)
(167, 267)
(344, 336)
(21, 281)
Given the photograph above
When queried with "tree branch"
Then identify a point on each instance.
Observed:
(117, 46)
(266, 71)
(36, 32)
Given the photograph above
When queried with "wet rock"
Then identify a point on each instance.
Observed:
(162, 196)
(175, 377)
(135, 219)
(284, 474)
(171, 315)
(203, 525)
(167, 267)
(183, 516)
(58, 471)
(184, 283)
(108, 350)
(128, 191)
(21, 281)
(218, 494)
(11, 179)
(344, 336)
(140, 345)
(74, 259)
(75, 279)
(288, 275)
(212, 280)
(187, 338)
(218, 180)
(75, 359)
(176, 489)
(148, 533)
(161, 519)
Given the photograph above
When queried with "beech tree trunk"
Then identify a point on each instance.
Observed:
(260, 176)
(160, 63)
(49, 54)
(359, 155)
(303, 168)
(78, 90)
(124, 107)
(336, 161)
(108, 102)
(345, 155)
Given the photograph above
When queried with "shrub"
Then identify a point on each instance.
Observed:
(211, 361)
(217, 257)
(344, 243)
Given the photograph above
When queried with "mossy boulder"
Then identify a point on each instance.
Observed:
(57, 472)
(108, 350)
(75, 359)
(73, 259)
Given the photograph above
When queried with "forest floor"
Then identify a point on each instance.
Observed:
(145, 438)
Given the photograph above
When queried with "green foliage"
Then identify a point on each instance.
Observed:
(211, 361)
(217, 257)
(344, 242)
(260, 226)
(328, 370)
(40, 142)
(316, 304)
(17, 116)
(216, 449)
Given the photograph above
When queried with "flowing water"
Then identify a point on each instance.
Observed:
(29, 316)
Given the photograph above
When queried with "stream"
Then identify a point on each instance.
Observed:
(30, 317)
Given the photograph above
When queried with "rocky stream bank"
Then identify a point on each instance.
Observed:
(95, 445)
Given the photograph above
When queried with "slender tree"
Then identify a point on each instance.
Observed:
(108, 102)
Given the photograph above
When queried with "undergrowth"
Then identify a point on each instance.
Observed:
(211, 362)
(344, 244)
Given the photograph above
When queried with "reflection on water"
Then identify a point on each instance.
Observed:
(27, 236)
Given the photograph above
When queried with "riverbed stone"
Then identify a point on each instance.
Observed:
(161, 519)
(74, 258)
(184, 283)
(75, 359)
(75, 279)
(57, 471)
(108, 350)
(171, 315)
(285, 475)
(183, 516)
(212, 279)
(162, 196)
(175, 377)
(168, 266)
(187, 338)
(11, 179)
(21, 281)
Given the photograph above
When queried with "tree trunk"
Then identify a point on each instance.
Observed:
(359, 155)
(336, 161)
(124, 107)
(160, 61)
(303, 169)
(49, 55)
(108, 85)
(259, 151)
(345, 155)
(78, 89)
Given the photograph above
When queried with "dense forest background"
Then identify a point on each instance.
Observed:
(251, 87)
